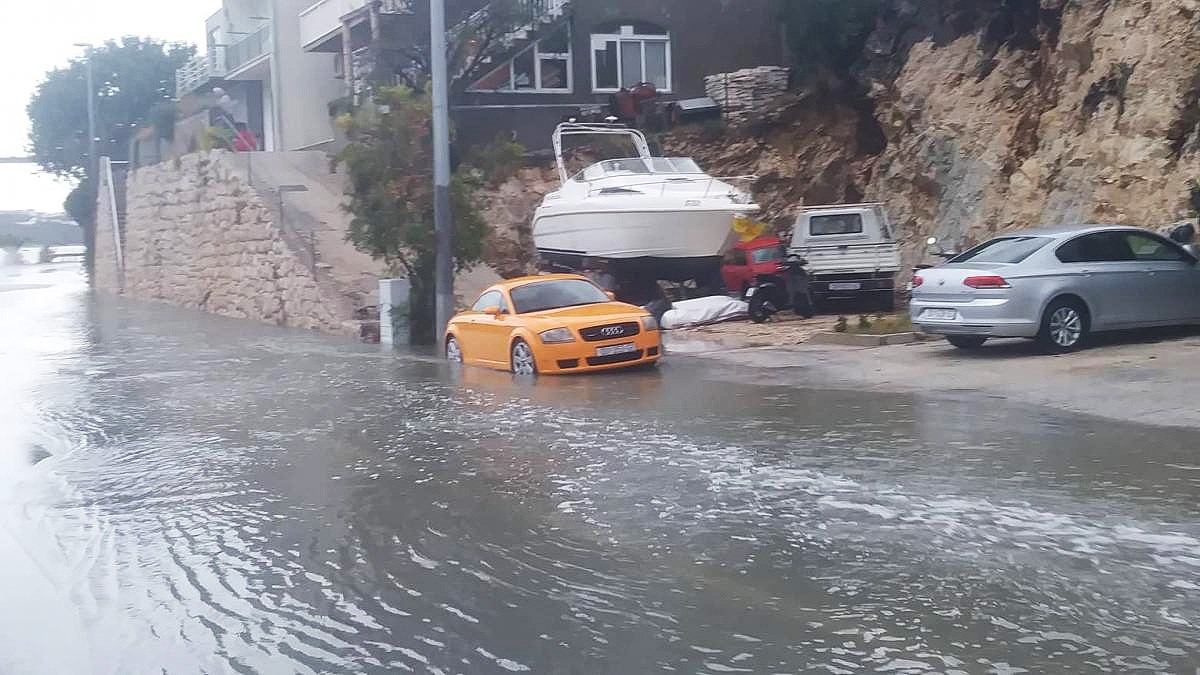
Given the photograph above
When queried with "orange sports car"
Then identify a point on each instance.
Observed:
(552, 324)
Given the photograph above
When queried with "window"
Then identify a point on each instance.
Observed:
(543, 67)
(1011, 250)
(1098, 247)
(490, 299)
(842, 223)
(1148, 248)
(736, 257)
(630, 56)
(768, 255)
(543, 295)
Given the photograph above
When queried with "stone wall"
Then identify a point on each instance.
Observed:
(198, 235)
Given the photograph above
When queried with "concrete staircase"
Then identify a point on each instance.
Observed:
(306, 199)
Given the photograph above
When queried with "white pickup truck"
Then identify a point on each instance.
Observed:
(850, 252)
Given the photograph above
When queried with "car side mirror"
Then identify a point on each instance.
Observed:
(492, 311)
(611, 295)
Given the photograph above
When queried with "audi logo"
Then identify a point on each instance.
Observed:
(612, 331)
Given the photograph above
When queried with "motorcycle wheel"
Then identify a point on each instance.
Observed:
(761, 308)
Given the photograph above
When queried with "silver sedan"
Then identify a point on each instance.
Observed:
(1058, 286)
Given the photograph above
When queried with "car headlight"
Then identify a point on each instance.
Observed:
(557, 336)
(649, 323)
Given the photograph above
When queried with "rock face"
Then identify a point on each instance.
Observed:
(508, 207)
(979, 116)
(196, 235)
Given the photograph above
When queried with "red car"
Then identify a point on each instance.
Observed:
(749, 259)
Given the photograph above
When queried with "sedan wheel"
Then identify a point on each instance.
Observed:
(453, 351)
(1065, 327)
(522, 359)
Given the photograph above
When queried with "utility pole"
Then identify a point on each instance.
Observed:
(443, 218)
(93, 161)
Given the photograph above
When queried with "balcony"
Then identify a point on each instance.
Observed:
(197, 73)
(247, 50)
(322, 21)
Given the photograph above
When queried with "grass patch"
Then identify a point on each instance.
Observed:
(878, 324)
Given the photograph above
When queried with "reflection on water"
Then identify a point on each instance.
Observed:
(192, 494)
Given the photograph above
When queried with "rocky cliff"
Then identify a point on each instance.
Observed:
(968, 117)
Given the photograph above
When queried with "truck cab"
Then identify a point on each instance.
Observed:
(748, 259)
(851, 252)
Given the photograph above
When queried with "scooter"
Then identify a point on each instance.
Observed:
(787, 288)
(932, 247)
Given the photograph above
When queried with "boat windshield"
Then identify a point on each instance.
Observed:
(543, 295)
(638, 166)
(675, 165)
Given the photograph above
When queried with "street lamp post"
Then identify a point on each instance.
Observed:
(443, 218)
(93, 166)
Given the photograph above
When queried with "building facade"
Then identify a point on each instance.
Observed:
(253, 53)
(554, 58)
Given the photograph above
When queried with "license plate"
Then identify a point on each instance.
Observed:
(845, 286)
(940, 314)
(616, 349)
(750, 292)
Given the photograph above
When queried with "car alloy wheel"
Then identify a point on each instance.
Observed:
(1066, 327)
(453, 351)
(522, 359)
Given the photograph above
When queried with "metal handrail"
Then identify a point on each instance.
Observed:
(106, 174)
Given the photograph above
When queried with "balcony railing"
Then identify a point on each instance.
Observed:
(248, 48)
(324, 19)
(198, 72)
(518, 18)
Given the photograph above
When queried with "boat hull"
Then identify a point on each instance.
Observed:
(637, 234)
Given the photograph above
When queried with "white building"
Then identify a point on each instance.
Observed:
(280, 91)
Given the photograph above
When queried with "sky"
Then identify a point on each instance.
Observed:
(40, 38)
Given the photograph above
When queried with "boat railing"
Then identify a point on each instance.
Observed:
(714, 186)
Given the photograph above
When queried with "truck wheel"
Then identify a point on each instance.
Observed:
(802, 305)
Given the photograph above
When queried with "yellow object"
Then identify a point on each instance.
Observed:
(747, 229)
(564, 321)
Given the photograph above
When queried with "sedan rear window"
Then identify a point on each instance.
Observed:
(1010, 250)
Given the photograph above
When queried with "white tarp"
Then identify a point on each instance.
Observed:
(703, 311)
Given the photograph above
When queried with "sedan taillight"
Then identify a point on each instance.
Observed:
(917, 281)
(986, 282)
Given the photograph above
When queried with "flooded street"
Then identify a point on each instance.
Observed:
(182, 493)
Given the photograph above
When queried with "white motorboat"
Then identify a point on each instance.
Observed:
(658, 215)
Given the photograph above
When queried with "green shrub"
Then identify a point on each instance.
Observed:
(215, 138)
(827, 36)
(162, 118)
(498, 160)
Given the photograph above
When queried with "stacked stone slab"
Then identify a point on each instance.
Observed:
(742, 93)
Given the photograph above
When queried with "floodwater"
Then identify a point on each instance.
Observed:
(181, 493)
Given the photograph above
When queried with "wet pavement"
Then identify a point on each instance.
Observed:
(182, 493)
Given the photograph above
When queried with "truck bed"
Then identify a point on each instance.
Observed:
(850, 258)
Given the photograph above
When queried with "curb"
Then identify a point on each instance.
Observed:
(853, 340)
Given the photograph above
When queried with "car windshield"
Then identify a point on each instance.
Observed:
(540, 296)
(766, 255)
(1009, 250)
